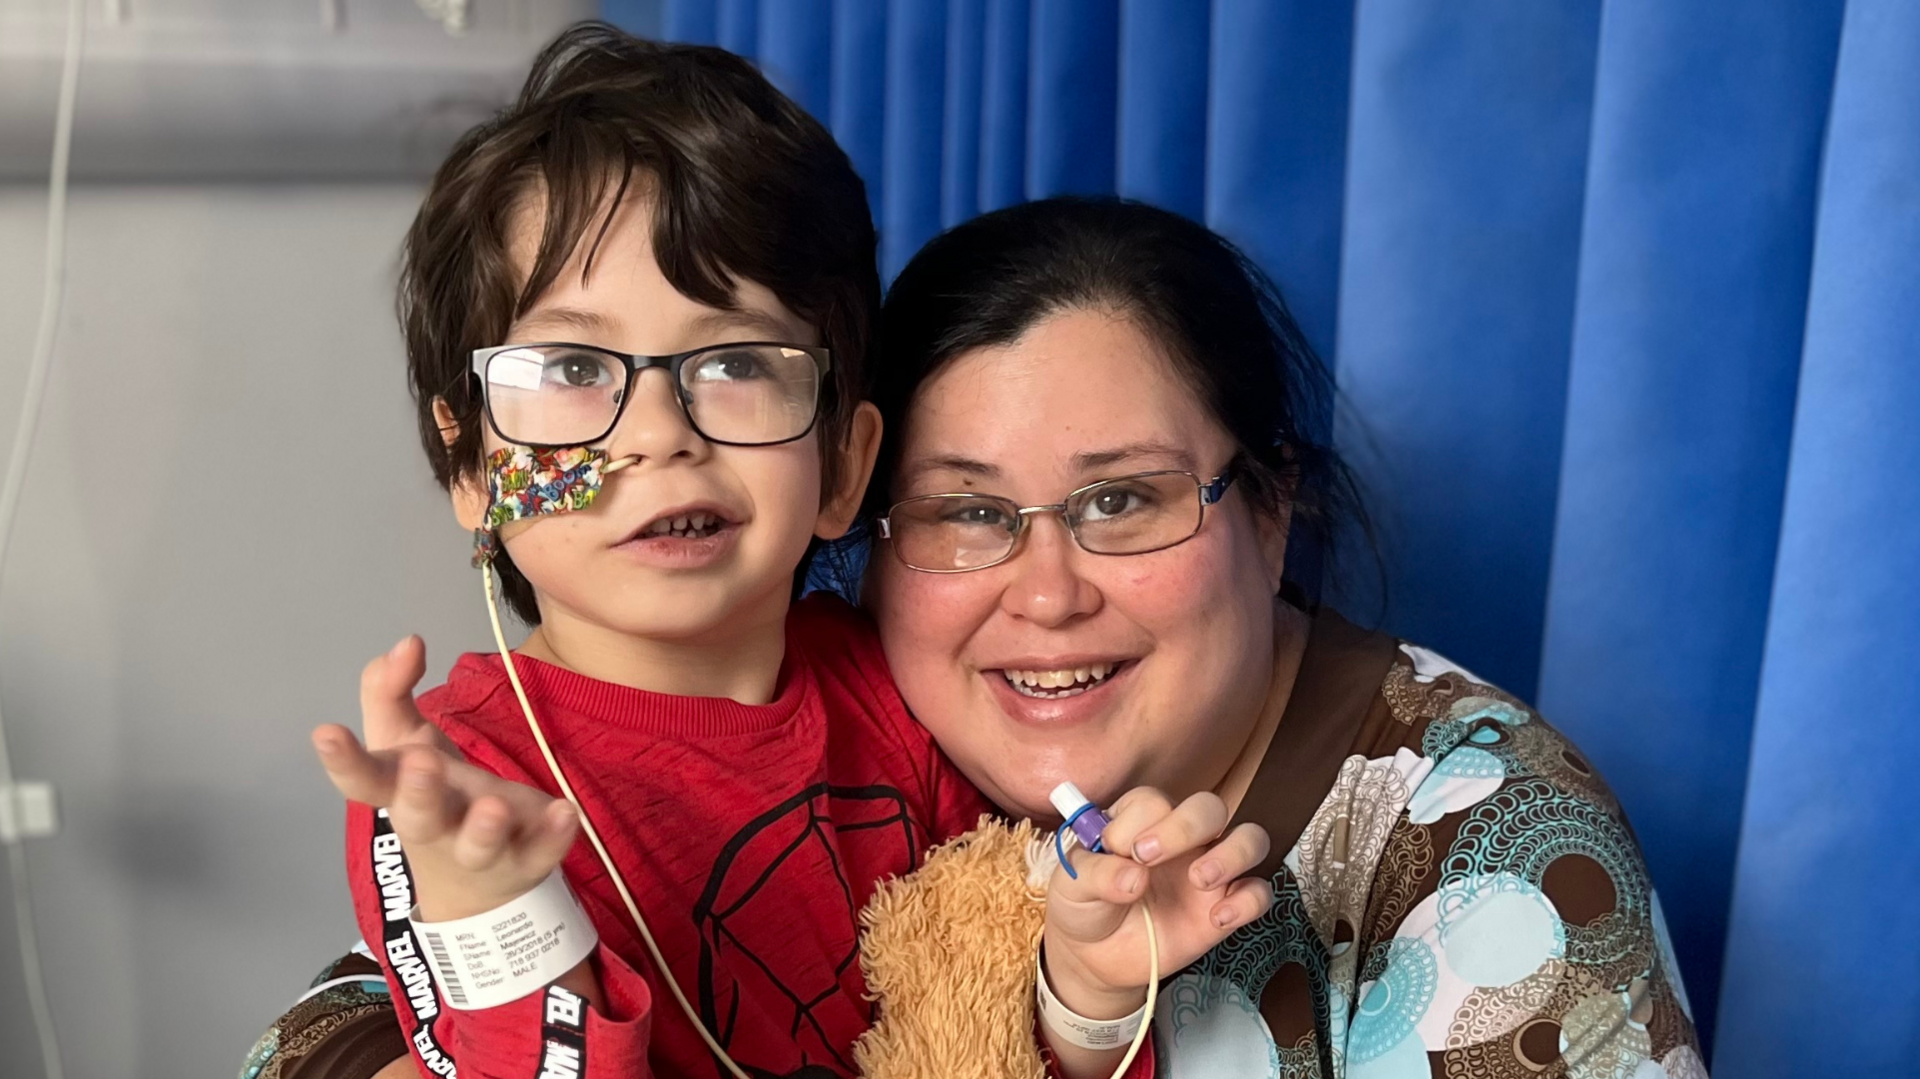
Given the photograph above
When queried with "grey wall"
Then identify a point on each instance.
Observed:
(227, 513)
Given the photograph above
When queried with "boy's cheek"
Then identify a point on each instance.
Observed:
(542, 547)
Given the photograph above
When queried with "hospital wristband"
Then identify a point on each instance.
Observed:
(512, 951)
(1076, 1029)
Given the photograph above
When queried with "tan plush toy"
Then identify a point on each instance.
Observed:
(948, 953)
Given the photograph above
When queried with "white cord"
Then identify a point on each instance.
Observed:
(53, 288)
(586, 825)
(1153, 993)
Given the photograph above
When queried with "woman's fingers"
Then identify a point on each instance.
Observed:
(1237, 854)
(358, 775)
(1245, 901)
(1099, 878)
(1093, 902)
(1130, 815)
(1185, 828)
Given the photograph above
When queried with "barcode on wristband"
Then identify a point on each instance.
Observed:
(449, 975)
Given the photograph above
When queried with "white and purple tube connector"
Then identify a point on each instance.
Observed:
(1082, 817)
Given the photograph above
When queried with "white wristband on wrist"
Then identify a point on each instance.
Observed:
(1075, 1029)
(512, 951)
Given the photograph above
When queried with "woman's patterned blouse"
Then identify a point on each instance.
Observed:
(1460, 896)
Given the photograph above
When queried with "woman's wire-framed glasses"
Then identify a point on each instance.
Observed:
(1125, 515)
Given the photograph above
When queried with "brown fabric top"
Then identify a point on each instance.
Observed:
(1457, 894)
(1339, 678)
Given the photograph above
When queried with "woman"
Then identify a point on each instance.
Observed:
(1100, 436)
(1462, 893)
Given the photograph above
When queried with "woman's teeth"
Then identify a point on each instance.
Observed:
(692, 526)
(1054, 684)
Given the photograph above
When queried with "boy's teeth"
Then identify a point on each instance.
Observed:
(693, 522)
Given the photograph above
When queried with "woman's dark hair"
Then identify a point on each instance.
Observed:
(745, 185)
(987, 282)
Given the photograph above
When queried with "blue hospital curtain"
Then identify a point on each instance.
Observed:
(1623, 300)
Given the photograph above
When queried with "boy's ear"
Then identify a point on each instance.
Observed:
(468, 493)
(857, 457)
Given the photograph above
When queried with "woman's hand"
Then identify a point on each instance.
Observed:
(473, 840)
(1176, 860)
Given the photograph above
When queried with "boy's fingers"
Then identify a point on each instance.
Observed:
(358, 775)
(1191, 825)
(1246, 901)
(1243, 848)
(549, 840)
(387, 712)
(1130, 815)
(467, 783)
(422, 810)
(483, 835)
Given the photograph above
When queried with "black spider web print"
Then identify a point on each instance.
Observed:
(746, 900)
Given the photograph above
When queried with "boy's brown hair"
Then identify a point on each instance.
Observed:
(745, 185)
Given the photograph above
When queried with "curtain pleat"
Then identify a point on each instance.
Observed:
(1073, 84)
(859, 78)
(1162, 138)
(960, 147)
(794, 43)
(1466, 157)
(1003, 104)
(910, 160)
(1623, 299)
(1694, 259)
(696, 22)
(1276, 155)
(1826, 913)
(738, 26)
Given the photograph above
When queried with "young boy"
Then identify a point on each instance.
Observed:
(682, 262)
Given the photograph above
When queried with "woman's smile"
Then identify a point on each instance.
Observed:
(1053, 695)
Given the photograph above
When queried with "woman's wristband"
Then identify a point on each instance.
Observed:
(511, 951)
(1076, 1029)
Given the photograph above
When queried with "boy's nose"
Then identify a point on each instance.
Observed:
(654, 426)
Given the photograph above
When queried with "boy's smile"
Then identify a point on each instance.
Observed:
(691, 536)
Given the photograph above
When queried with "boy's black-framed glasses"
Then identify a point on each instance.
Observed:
(1136, 514)
(747, 393)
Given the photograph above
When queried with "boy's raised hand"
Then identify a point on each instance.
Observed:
(1189, 874)
(473, 840)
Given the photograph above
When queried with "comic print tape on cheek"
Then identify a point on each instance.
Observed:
(524, 482)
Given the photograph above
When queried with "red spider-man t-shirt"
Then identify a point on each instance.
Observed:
(750, 836)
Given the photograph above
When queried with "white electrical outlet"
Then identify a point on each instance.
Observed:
(27, 811)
